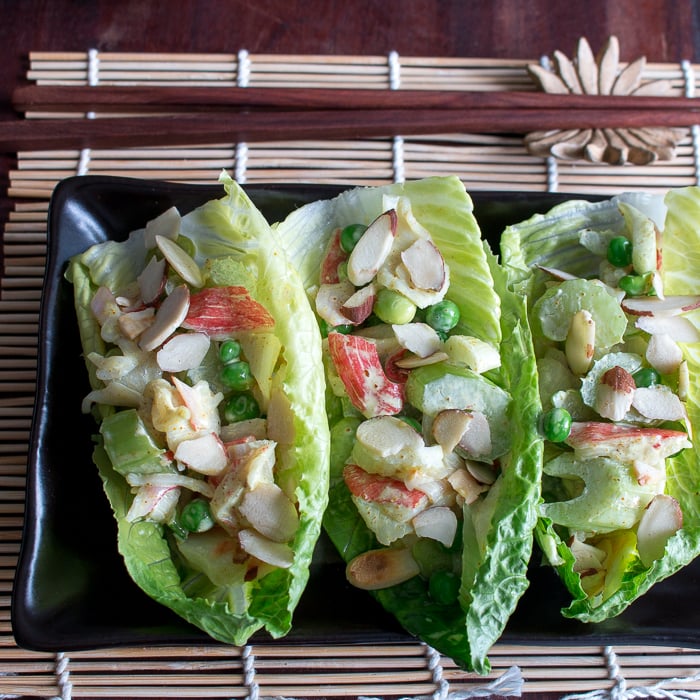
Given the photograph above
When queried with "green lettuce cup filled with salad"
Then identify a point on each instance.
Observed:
(204, 359)
(435, 451)
(612, 291)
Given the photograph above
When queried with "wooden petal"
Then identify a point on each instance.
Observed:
(586, 67)
(547, 138)
(661, 136)
(653, 87)
(549, 82)
(567, 72)
(574, 148)
(640, 152)
(608, 65)
(607, 147)
(630, 77)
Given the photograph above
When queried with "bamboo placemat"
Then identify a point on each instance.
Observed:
(493, 162)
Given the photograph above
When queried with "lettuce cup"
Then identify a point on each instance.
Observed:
(434, 446)
(612, 295)
(205, 364)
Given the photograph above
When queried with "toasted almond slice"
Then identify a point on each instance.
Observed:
(181, 261)
(372, 249)
(170, 315)
(661, 520)
(152, 280)
(425, 265)
(274, 553)
(381, 568)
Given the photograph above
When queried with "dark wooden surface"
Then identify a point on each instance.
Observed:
(661, 30)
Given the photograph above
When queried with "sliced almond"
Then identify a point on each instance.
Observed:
(580, 342)
(330, 300)
(483, 473)
(166, 224)
(466, 485)
(663, 353)
(661, 519)
(410, 361)
(587, 557)
(658, 403)
(437, 523)
(372, 249)
(656, 306)
(358, 307)
(258, 546)
(270, 512)
(449, 426)
(476, 441)
(133, 323)
(425, 265)
(152, 280)
(419, 338)
(183, 352)
(381, 568)
(615, 394)
(680, 328)
(181, 261)
(205, 454)
(169, 317)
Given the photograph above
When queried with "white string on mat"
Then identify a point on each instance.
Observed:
(397, 152)
(689, 80)
(62, 671)
(508, 684)
(251, 684)
(242, 80)
(620, 691)
(552, 166)
(93, 78)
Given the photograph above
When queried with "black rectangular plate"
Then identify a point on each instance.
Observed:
(71, 588)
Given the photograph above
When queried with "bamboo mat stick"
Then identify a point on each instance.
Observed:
(121, 98)
(329, 124)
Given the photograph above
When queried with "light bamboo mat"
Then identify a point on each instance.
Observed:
(494, 162)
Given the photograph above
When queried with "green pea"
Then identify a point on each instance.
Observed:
(443, 316)
(556, 424)
(646, 377)
(392, 307)
(634, 285)
(241, 407)
(229, 351)
(196, 516)
(237, 375)
(443, 587)
(620, 251)
(350, 235)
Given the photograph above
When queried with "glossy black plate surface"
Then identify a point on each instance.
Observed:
(71, 588)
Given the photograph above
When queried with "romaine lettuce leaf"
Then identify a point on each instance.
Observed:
(498, 539)
(232, 229)
(553, 240)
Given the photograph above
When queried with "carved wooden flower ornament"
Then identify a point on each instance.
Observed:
(587, 74)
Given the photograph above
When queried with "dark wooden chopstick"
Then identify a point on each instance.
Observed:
(273, 125)
(194, 99)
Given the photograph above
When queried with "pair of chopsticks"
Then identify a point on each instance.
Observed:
(208, 115)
